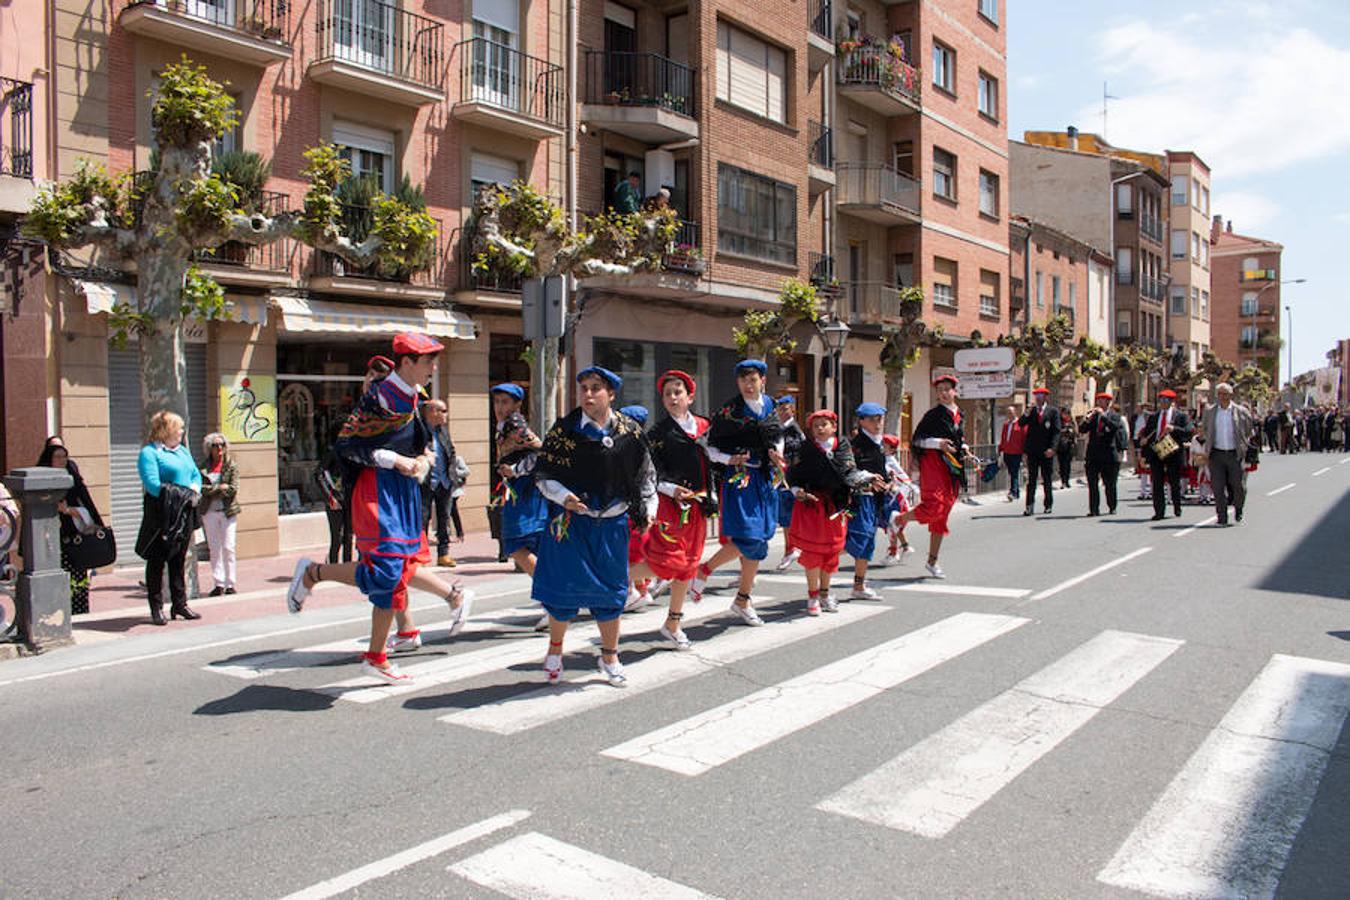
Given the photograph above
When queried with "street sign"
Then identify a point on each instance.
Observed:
(984, 359)
(981, 385)
(543, 308)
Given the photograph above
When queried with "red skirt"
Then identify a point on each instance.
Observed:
(672, 550)
(937, 493)
(819, 537)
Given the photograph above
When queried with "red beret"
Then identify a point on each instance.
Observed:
(956, 382)
(890, 440)
(1168, 393)
(1041, 390)
(378, 360)
(688, 380)
(1105, 395)
(822, 413)
(417, 343)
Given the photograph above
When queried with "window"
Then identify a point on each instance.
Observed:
(904, 158)
(1195, 194)
(485, 170)
(904, 269)
(1178, 300)
(1055, 293)
(233, 139)
(1123, 326)
(1204, 253)
(989, 9)
(989, 305)
(1195, 303)
(1040, 290)
(1195, 246)
(1124, 201)
(989, 95)
(944, 282)
(1179, 190)
(988, 193)
(369, 151)
(751, 74)
(1249, 335)
(495, 79)
(756, 216)
(1204, 305)
(1204, 200)
(1178, 245)
(1124, 266)
(944, 174)
(944, 67)
(854, 25)
(1073, 298)
(1249, 303)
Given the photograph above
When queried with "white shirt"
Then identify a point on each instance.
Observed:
(1225, 428)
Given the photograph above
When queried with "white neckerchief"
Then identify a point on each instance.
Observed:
(587, 420)
(953, 408)
(829, 444)
(792, 420)
(399, 383)
(756, 405)
(876, 438)
(688, 423)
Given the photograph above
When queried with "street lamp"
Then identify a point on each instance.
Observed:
(836, 334)
(1256, 312)
(1290, 311)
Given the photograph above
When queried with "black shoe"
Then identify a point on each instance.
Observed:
(1091, 513)
(1177, 512)
(230, 590)
(1157, 517)
(1238, 515)
(1111, 511)
(1222, 523)
(183, 611)
(157, 614)
(216, 591)
(501, 557)
(1028, 511)
(1048, 510)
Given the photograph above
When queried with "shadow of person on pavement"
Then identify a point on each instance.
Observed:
(265, 697)
(1316, 564)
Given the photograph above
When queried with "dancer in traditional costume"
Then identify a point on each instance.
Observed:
(746, 438)
(793, 438)
(824, 479)
(867, 512)
(942, 455)
(597, 475)
(524, 512)
(899, 493)
(386, 442)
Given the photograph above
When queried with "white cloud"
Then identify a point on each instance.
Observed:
(1342, 218)
(1248, 100)
(1248, 211)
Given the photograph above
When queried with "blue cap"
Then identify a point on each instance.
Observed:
(636, 413)
(786, 400)
(509, 389)
(758, 365)
(870, 409)
(614, 381)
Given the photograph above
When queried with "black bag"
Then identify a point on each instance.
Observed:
(94, 550)
(1253, 455)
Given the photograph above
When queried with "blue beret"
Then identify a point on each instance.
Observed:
(509, 389)
(614, 381)
(870, 409)
(786, 400)
(758, 365)
(637, 413)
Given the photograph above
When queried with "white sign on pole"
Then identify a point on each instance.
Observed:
(985, 359)
(982, 385)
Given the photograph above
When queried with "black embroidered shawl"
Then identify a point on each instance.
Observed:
(599, 475)
(834, 475)
(735, 429)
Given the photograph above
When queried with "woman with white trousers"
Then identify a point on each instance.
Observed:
(220, 510)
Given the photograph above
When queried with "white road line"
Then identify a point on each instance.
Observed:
(537, 867)
(458, 667)
(1201, 524)
(963, 590)
(551, 703)
(1344, 461)
(933, 786)
(1225, 825)
(709, 739)
(1281, 490)
(390, 864)
(1322, 471)
(1079, 579)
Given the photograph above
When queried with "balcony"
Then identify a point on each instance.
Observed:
(483, 287)
(869, 303)
(16, 146)
(820, 158)
(642, 96)
(380, 50)
(1250, 275)
(1124, 277)
(1151, 227)
(823, 275)
(873, 76)
(877, 193)
(506, 90)
(1151, 289)
(819, 34)
(252, 265)
(1069, 313)
(678, 277)
(333, 274)
(251, 31)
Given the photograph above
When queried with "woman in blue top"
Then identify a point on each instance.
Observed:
(173, 484)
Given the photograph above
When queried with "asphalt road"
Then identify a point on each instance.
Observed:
(1171, 724)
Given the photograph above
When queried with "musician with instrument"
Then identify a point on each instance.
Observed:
(1107, 438)
(1160, 442)
(943, 454)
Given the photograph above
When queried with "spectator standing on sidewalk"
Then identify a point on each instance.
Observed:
(440, 483)
(1226, 429)
(1012, 440)
(220, 510)
(173, 486)
(78, 514)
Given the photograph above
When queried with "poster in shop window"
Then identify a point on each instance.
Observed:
(248, 408)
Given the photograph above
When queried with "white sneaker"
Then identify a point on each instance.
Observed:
(397, 643)
(905, 551)
(676, 637)
(658, 587)
(388, 675)
(935, 570)
(893, 558)
(830, 604)
(697, 586)
(613, 672)
(297, 592)
(542, 624)
(813, 606)
(459, 616)
(864, 593)
(789, 559)
(635, 600)
(553, 669)
(747, 614)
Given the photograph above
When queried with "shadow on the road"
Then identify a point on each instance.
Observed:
(1343, 635)
(1316, 565)
(261, 697)
(1319, 862)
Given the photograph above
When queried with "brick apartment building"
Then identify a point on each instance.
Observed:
(1245, 282)
(1188, 293)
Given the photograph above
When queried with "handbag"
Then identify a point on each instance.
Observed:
(94, 550)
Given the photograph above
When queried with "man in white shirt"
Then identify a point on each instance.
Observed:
(1226, 430)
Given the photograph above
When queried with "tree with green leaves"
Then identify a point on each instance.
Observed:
(768, 332)
(901, 344)
(1045, 349)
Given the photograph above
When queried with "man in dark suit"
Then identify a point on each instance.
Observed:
(1175, 422)
(440, 483)
(1042, 424)
(1106, 439)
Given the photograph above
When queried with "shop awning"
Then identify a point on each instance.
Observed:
(100, 296)
(299, 314)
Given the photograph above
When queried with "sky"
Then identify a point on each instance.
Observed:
(1249, 85)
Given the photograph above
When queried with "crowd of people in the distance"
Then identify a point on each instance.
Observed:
(1317, 429)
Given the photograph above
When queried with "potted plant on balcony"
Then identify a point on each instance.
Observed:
(686, 258)
(247, 172)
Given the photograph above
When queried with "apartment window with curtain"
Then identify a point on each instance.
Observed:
(1178, 300)
(1179, 190)
(1195, 246)
(751, 74)
(988, 193)
(1195, 303)
(1073, 296)
(989, 95)
(1249, 335)
(1055, 297)
(1178, 245)
(989, 9)
(944, 174)
(1249, 303)
(1204, 305)
(1124, 201)
(944, 67)
(1124, 265)
(1040, 290)
(756, 216)
(944, 282)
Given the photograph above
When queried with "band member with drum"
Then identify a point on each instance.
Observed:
(1164, 456)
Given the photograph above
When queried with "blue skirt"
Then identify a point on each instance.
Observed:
(526, 515)
(785, 503)
(862, 527)
(751, 511)
(588, 569)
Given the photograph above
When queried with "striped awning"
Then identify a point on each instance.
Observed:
(299, 314)
(100, 297)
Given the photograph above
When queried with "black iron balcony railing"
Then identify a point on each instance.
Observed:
(875, 66)
(1152, 288)
(481, 278)
(822, 269)
(686, 252)
(822, 145)
(274, 256)
(268, 20)
(16, 128)
(639, 79)
(500, 76)
(356, 223)
(382, 38)
(877, 184)
(1151, 226)
(820, 17)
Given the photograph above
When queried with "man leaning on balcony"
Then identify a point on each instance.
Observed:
(628, 195)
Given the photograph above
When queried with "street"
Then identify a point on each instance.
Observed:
(1105, 707)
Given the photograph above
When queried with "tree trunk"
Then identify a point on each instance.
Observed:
(163, 359)
(895, 400)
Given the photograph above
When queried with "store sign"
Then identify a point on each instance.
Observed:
(248, 408)
(980, 385)
(985, 359)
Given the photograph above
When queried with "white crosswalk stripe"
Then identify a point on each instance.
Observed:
(710, 739)
(932, 787)
(551, 703)
(1225, 825)
(538, 867)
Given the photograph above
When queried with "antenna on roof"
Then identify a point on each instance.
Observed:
(1105, 97)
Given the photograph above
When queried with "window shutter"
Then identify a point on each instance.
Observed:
(777, 79)
(505, 14)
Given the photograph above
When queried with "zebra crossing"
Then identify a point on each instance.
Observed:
(1224, 826)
